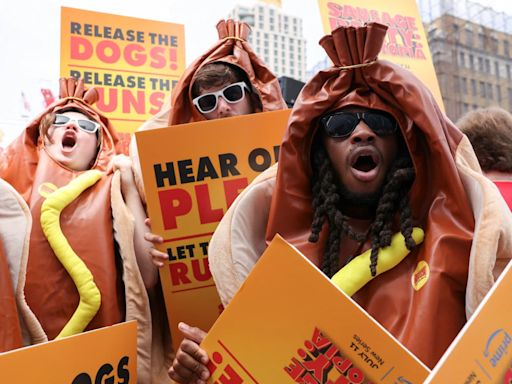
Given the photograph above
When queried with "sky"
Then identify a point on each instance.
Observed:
(30, 39)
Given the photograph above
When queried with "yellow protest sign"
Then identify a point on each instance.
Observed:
(133, 63)
(405, 44)
(103, 355)
(290, 324)
(192, 173)
(481, 351)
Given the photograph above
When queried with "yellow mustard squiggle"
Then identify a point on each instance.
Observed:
(90, 296)
(356, 274)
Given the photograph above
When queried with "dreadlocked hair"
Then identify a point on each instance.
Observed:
(394, 198)
(325, 204)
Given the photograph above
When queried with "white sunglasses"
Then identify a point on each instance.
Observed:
(233, 93)
(84, 124)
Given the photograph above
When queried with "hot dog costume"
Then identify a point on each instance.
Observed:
(467, 225)
(98, 227)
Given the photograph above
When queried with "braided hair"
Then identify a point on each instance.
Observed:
(326, 205)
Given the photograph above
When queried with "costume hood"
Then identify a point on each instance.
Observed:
(232, 48)
(19, 171)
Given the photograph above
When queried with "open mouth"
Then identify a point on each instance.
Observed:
(68, 141)
(365, 159)
(364, 163)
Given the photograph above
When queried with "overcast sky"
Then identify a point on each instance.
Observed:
(30, 38)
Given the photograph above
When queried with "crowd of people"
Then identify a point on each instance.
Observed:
(367, 153)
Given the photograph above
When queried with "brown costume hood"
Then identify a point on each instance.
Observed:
(19, 170)
(232, 48)
(439, 202)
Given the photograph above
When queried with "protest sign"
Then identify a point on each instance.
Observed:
(192, 173)
(133, 63)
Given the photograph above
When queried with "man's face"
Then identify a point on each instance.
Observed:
(232, 99)
(72, 146)
(362, 158)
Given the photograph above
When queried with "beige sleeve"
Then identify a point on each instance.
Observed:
(239, 239)
(492, 240)
(15, 236)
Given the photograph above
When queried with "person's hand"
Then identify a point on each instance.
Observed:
(158, 258)
(189, 365)
(124, 165)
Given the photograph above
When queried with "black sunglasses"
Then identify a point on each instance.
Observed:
(341, 124)
(232, 93)
(85, 125)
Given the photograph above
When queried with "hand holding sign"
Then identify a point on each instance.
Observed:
(190, 362)
(158, 258)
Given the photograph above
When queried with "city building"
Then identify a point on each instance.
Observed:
(471, 50)
(277, 38)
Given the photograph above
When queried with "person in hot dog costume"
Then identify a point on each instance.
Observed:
(229, 79)
(230, 60)
(86, 264)
(368, 154)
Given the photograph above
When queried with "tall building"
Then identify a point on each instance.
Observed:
(467, 10)
(471, 51)
(276, 38)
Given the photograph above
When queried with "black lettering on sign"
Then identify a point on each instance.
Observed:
(106, 374)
